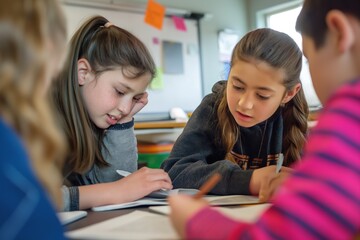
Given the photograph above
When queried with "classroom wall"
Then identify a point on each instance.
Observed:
(230, 14)
(238, 15)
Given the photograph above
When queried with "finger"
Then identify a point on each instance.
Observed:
(264, 192)
(286, 169)
(157, 174)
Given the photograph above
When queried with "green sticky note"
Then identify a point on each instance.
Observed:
(158, 81)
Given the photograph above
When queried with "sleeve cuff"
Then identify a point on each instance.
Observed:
(74, 198)
(122, 126)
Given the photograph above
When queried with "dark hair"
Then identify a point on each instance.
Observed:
(105, 48)
(279, 51)
(312, 18)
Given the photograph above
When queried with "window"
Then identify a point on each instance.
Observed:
(284, 21)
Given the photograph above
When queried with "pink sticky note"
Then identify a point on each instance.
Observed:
(155, 41)
(179, 23)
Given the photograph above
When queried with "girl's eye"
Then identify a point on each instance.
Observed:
(263, 97)
(238, 88)
(119, 92)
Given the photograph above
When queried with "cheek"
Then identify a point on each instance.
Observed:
(232, 100)
(266, 109)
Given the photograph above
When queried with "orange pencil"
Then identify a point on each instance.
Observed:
(208, 185)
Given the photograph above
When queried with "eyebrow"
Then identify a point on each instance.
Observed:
(131, 90)
(259, 88)
(125, 86)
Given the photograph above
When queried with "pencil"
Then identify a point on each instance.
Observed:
(279, 163)
(208, 185)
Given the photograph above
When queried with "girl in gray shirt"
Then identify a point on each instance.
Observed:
(102, 85)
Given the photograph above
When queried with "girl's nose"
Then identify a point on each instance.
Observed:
(125, 106)
(246, 102)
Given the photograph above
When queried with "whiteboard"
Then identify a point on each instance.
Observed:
(180, 90)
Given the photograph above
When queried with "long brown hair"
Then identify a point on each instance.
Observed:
(279, 51)
(106, 48)
(27, 29)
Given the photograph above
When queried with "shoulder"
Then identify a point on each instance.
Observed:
(10, 142)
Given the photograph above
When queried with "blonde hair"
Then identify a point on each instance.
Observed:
(279, 51)
(28, 27)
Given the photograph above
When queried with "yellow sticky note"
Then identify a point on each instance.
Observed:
(155, 14)
(158, 81)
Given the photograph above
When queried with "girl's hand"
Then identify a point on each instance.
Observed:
(141, 183)
(183, 207)
(270, 184)
(139, 104)
(266, 177)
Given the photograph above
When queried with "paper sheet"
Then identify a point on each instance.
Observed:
(151, 201)
(246, 213)
(69, 217)
(135, 225)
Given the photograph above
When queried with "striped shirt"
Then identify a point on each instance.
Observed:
(321, 200)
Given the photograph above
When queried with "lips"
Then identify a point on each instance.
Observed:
(243, 117)
(111, 119)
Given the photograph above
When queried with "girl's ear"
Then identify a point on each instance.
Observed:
(84, 70)
(291, 93)
(340, 26)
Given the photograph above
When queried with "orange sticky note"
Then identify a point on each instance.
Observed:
(155, 14)
(179, 23)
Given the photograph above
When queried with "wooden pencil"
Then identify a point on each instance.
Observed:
(208, 185)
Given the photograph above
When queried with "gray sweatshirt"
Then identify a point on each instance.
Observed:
(120, 153)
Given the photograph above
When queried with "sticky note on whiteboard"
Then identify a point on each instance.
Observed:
(155, 14)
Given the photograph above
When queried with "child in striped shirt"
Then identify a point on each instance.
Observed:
(321, 200)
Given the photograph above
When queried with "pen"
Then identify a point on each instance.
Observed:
(279, 163)
(123, 173)
(208, 185)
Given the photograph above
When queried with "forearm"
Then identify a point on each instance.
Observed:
(99, 194)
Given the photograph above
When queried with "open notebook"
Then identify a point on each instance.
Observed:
(213, 200)
(153, 199)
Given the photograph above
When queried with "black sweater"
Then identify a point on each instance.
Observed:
(197, 153)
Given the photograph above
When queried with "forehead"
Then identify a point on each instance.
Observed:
(256, 71)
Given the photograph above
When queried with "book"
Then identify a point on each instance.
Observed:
(69, 217)
(227, 200)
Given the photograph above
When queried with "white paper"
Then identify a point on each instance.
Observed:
(213, 200)
(69, 217)
(231, 200)
(135, 225)
(141, 202)
(246, 213)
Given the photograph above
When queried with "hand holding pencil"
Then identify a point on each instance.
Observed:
(272, 182)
